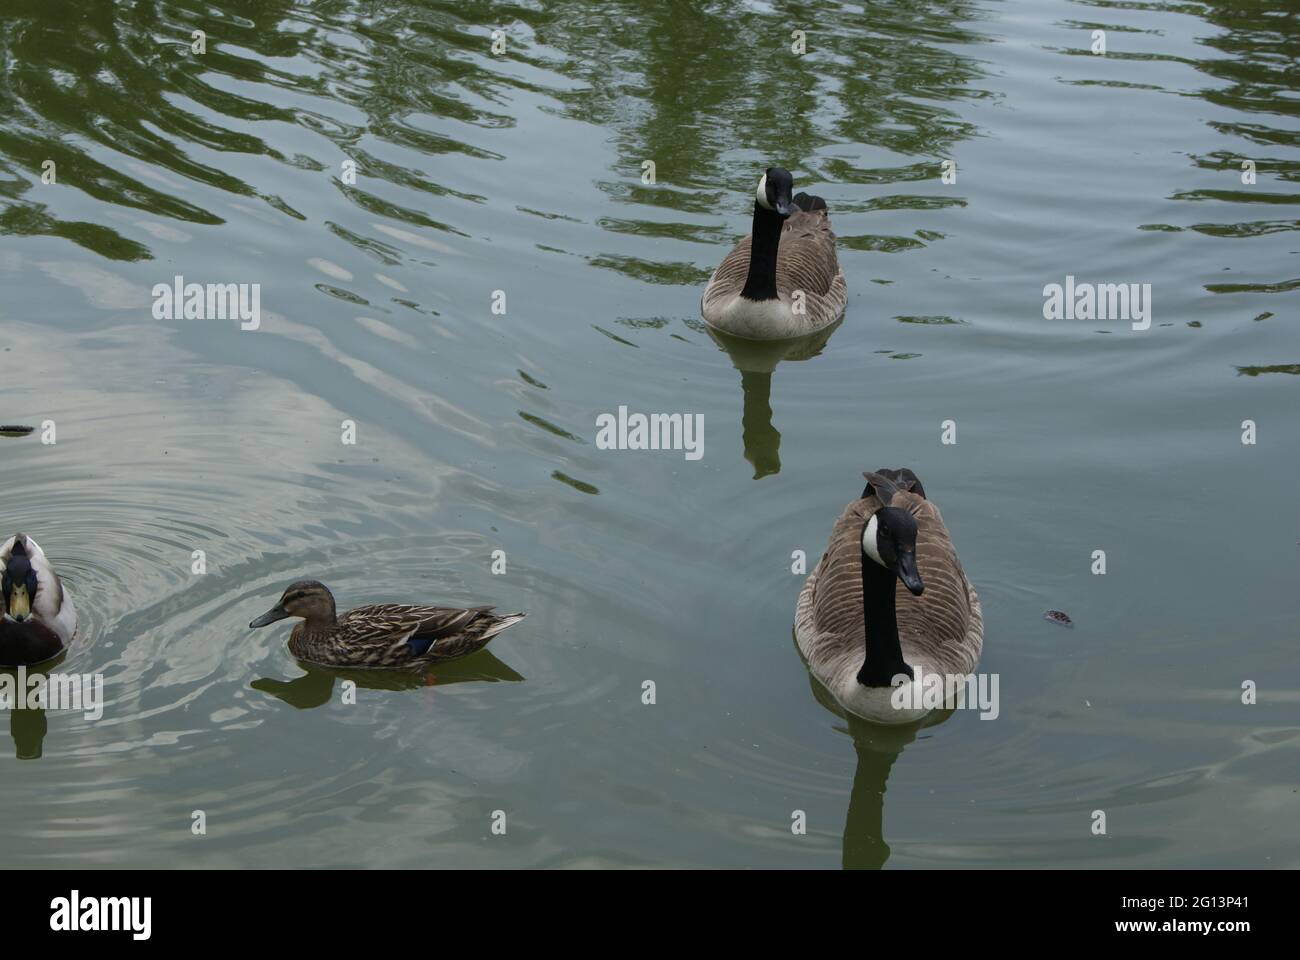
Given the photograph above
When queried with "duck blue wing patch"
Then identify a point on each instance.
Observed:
(420, 645)
(440, 624)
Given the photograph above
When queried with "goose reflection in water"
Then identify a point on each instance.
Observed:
(316, 687)
(757, 360)
(877, 747)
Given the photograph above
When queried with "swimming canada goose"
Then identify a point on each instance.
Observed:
(888, 598)
(384, 636)
(39, 617)
(783, 280)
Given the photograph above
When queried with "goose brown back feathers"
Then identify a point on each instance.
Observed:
(941, 631)
(805, 261)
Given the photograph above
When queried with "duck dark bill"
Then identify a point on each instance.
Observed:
(275, 613)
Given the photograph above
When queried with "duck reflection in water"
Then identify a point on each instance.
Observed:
(28, 725)
(316, 687)
(877, 747)
(757, 360)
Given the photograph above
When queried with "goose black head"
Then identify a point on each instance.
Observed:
(889, 537)
(775, 190)
(309, 599)
(18, 581)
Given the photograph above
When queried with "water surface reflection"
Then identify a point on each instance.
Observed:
(757, 361)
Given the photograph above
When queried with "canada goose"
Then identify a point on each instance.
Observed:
(783, 280)
(386, 635)
(888, 595)
(39, 618)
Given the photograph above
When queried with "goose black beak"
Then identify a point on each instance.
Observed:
(907, 572)
(275, 613)
(785, 207)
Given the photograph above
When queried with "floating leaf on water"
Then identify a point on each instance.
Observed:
(14, 430)
(1056, 616)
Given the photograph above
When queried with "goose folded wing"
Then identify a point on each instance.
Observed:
(806, 259)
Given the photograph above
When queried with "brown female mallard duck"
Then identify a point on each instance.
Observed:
(385, 635)
(39, 618)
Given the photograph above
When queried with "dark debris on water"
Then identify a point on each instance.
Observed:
(14, 430)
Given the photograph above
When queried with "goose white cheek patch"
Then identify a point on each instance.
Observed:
(761, 193)
(869, 541)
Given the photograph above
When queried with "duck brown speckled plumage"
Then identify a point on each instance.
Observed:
(381, 636)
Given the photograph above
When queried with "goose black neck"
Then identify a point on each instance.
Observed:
(884, 656)
(764, 239)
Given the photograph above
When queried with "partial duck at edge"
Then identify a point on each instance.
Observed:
(39, 618)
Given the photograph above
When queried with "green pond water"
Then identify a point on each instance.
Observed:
(474, 172)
